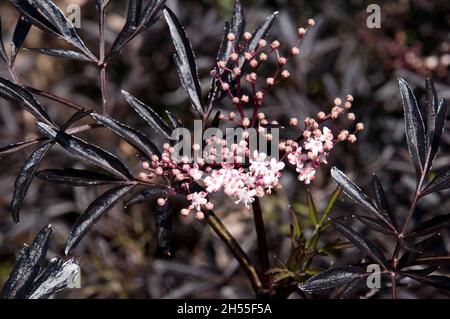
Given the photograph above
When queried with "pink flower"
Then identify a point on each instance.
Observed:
(198, 199)
(314, 144)
(307, 174)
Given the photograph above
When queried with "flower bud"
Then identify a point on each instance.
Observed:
(231, 37)
(253, 63)
(351, 116)
(225, 86)
(351, 138)
(259, 95)
(285, 74)
(275, 45)
(359, 126)
(263, 57)
(234, 56)
(247, 36)
(245, 98)
(282, 61)
(185, 212)
(293, 121)
(321, 115)
(161, 201)
(311, 22)
(270, 81)
(295, 51)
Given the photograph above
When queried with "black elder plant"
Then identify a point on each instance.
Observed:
(246, 69)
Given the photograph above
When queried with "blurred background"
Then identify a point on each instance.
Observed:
(340, 56)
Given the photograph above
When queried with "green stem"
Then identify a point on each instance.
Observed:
(263, 249)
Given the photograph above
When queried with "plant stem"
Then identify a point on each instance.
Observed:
(237, 252)
(394, 285)
(56, 98)
(102, 52)
(263, 249)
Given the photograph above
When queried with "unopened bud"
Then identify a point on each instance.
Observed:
(161, 201)
(295, 51)
(231, 37)
(293, 121)
(270, 81)
(247, 36)
(285, 74)
(275, 45)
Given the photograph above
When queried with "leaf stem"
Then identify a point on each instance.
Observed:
(102, 51)
(237, 252)
(56, 98)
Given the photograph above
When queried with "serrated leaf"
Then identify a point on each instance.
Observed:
(12, 91)
(27, 265)
(312, 211)
(185, 61)
(414, 128)
(25, 177)
(433, 225)
(63, 25)
(87, 152)
(93, 214)
(332, 278)
(366, 246)
(75, 177)
(146, 195)
(56, 276)
(439, 182)
(149, 115)
(33, 16)
(382, 203)
(61, 53)
(352, 190)
(138, 140)
(20, 33)
(437, 281)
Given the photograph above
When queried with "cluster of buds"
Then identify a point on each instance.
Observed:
(313, 149)
(230, 73)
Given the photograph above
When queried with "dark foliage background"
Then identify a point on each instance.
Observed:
(341, 55)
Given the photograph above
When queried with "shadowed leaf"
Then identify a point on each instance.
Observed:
(312, 211)
(24, 178)
(8, 149)
(130, 27)
(433, 225)
(77, 116)
(163, 225)
(20, 33)
(75, 177)
(146, 195)
(366, 246)
(437, 281)
(382, 203)
(375, 224)
(439, 182)
(93, 213)
(174, 121)
(3, 55)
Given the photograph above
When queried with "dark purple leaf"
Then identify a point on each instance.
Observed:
(33, 16)
(132, 136)
(174, 121)
(332, 278)
(409, 257)
(146, 195)
(185, 61)
(87, 152)
(93, 213)
(437, 281)
(431, 226)
(414, 128)
(61, 53)
(149, 115)
(75, 177)
(24, 178)
(130, 27)
(382, 203)
(237, 27)
(151, 13)
(27, 265)
(14, 92)
(3, 54)
(214, 90)
(19, 36)
(352, 190)
(55, 277)
(77, 116)
(436, 115)
(439, 182)
(362, 243)
(63, 25)
(433, 260)
(375, 224)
